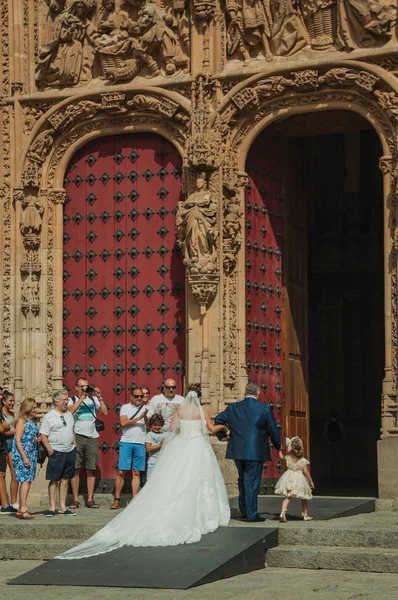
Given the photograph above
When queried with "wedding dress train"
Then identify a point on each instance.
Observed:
(184, 499)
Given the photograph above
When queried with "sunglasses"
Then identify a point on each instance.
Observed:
(170, 387)
(138, 396)
(63, 420)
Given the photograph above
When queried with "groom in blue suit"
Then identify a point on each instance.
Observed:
(251, 423)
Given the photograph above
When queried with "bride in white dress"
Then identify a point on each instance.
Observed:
(184, 498)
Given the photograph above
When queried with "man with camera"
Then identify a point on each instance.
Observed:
(83, 407)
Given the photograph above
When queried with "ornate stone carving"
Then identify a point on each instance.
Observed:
(197, 236)
(37, 154)
(203, 10)
(232, 220)
(285, 27)
(30, 267)
(113, 40)
(68, 57)
(204, 144)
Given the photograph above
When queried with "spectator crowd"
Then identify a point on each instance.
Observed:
(68, 437)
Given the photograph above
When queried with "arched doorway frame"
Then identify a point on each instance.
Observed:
(255, 104)
(54, 140)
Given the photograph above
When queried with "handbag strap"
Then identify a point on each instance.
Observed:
(136, 412)
(89, 407)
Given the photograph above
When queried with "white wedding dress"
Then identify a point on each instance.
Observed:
(184, 499)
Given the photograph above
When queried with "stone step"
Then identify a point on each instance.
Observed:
(371, 560)
(47, 530)
(328, 536)
(35, 549)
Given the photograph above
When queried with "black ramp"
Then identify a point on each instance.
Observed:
(228, 552)
(321, 508)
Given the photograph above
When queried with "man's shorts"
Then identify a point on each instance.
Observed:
(131, 457)
(3, 460)
(61, 465)
(87, 448)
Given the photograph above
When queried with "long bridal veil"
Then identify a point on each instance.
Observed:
(184, 498)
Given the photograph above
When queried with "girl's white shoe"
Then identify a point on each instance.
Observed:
(282, 517)
(307, 517)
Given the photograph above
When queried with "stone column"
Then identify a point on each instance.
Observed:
(387, 448)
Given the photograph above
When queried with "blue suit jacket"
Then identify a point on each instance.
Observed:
(251, 423)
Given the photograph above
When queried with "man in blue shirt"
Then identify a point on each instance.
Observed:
(251, 423)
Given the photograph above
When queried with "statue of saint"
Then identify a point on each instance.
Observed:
(31, 221)
(249, 28)
(67, 59)
(196, 224)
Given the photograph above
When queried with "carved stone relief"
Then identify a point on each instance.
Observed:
(112, 40)
(269, 29)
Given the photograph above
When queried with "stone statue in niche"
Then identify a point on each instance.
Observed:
(31, 221)
(68, 58)
(196, 226)
(249, 28)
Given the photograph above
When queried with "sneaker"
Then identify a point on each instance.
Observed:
(50, 513)
(67, 513)
(7, 510)
(12, 508)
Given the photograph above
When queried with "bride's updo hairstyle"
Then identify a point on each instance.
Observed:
(195, 387)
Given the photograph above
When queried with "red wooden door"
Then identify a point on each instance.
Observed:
(295, 313)
(263, 266)
(124, 298)
(276, 289)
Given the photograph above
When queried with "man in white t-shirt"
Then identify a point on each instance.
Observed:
(132, 450)
(83, 407)
(167, 403)
(59, 440)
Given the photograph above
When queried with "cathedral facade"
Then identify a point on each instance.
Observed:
(206, 190)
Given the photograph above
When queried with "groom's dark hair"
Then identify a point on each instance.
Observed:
(252, 389)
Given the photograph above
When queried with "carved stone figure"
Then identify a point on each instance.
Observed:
(114, 43)
(196, 226)
(365, 23)
(289, 34)
(31, 221)
(55, 7)
(157, 43)
(321, 21)
(67, 59)
(249, 28)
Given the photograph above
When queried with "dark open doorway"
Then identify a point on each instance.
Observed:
(344, 205)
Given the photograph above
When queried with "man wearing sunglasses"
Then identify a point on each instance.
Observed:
(132, 450)
(59, 440)
(166, 404)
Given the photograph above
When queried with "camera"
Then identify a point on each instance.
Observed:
(90, 389)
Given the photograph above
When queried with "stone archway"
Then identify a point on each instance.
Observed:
(248, 109)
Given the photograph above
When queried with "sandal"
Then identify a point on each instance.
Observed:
(91, 504)
(306, 517)
(75, 505)
(24, 515)
(115, 504)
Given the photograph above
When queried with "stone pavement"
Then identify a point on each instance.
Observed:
(282, 584)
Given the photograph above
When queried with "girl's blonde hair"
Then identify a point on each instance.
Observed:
(26, 407)
(296, 448)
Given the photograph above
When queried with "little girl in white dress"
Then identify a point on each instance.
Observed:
(296, 482)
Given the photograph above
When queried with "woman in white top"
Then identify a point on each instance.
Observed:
(184, 499)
